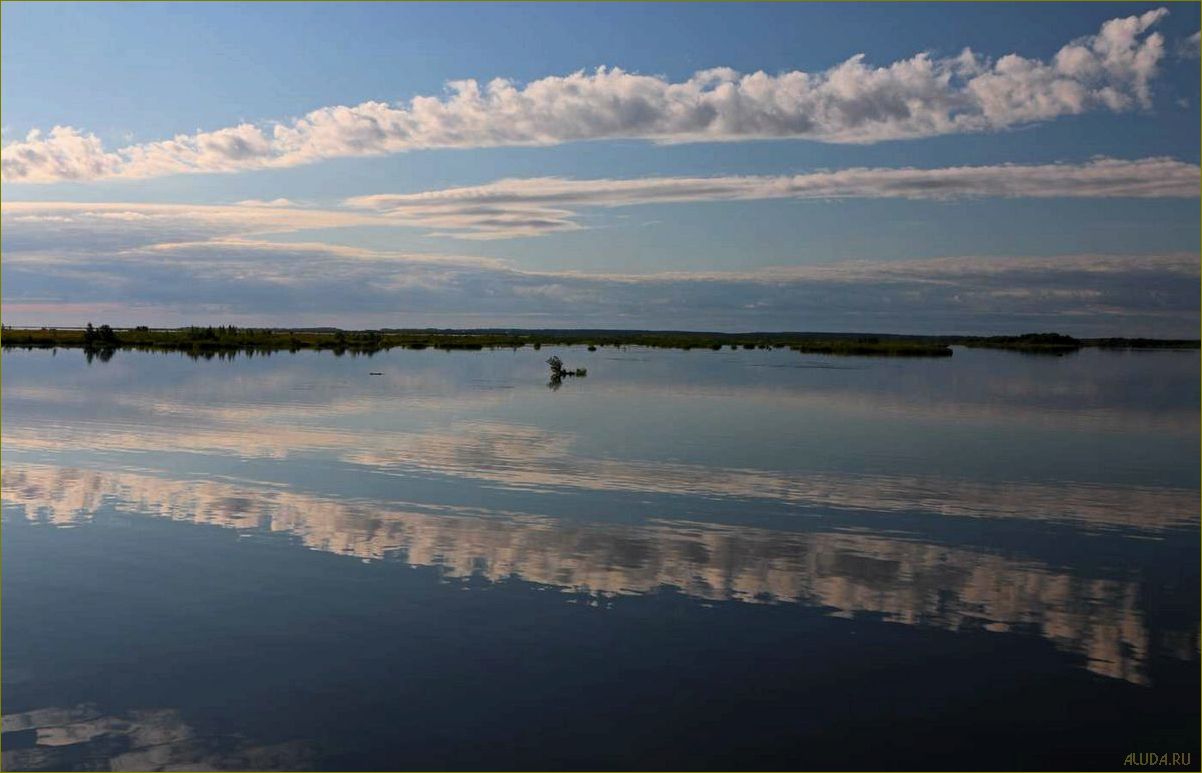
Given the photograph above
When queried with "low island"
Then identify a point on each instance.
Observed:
(210, 341)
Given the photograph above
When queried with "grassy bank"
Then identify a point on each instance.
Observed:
(203, 340)
(874, 347)
(221, 340)
(1035, 343)
(1055, 343)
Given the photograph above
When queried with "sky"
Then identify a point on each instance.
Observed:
(876, 167)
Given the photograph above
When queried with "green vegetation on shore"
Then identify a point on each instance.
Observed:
(1055, 343)
(1037, 343)
(227, 340)
(874, 347)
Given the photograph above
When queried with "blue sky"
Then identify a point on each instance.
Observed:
(348, 241)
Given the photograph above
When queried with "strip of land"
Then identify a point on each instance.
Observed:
(215, 340)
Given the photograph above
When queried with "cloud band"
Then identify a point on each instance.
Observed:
(534, 206)
(852, 102)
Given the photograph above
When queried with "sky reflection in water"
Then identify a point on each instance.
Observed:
(1021, 499)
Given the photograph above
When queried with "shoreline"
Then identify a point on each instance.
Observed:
(221, 339)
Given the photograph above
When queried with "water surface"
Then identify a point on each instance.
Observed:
(685, 560)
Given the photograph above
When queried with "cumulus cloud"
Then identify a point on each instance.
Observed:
(851, 102)
(533, 206)
(184, 264)
(63, 154)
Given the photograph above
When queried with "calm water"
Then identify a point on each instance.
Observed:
(685, 560)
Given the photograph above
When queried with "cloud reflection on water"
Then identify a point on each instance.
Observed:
(84, 738)
(900, 579)
(523, 457)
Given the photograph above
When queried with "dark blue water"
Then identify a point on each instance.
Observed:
(736, 559)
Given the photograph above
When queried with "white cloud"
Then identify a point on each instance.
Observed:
(1191, 47)
(280, 202)
(65, 154)
(139, 224)
(852, 102)
(529, 207)
(535, 206)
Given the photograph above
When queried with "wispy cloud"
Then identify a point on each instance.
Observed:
(86, 228)
(280, 202)
(183, 264)
(852, 102)
(529, 207)
(1191, 47)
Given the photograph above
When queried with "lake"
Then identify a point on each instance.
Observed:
(686, 559)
